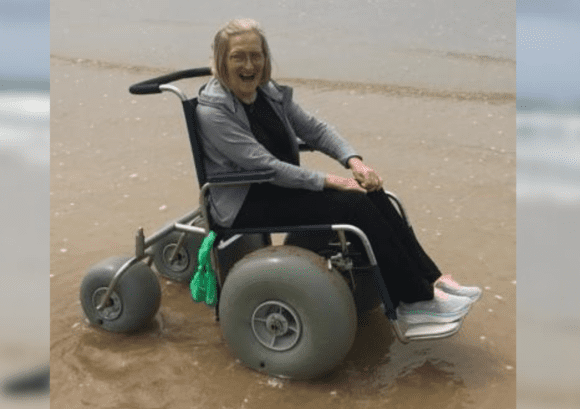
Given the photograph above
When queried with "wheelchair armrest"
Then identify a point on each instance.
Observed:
(240, 178)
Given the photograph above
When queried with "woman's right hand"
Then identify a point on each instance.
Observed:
(344, 184)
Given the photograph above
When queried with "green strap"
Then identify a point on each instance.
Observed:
(203, 285)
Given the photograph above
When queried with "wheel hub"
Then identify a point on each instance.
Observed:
(179, 262)
(276, 325)
(112, 309)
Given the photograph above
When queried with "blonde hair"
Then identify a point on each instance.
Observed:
(221, 44)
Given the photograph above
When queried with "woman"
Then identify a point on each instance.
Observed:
(247, 122)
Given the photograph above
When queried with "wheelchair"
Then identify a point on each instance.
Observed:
(287, 310)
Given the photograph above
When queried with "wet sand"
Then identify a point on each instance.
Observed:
(120, 161)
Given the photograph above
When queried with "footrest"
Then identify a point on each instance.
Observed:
(432, 331)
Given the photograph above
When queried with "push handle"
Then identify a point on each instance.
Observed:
(152, 86)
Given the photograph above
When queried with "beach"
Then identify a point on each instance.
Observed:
(120, 162)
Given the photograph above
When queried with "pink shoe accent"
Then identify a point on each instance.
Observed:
(449, 281)
(442, 295)
(450, 286)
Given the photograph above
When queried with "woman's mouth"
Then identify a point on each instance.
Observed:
(248, 78)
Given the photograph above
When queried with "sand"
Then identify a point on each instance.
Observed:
(120, 161)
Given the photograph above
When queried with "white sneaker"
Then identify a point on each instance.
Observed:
(450, 286)
(441, 309)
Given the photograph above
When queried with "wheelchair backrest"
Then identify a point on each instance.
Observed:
(189, 108)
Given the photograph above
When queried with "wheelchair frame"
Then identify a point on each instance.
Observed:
(185, 223)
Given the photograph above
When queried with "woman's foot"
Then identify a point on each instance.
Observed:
(442, 308)
(450, 286)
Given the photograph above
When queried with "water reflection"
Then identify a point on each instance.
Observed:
(430, 379)
(380, 369)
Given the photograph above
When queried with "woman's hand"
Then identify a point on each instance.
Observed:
(344, 184)
(365, 175)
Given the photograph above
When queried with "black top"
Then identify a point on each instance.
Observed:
(269, 130)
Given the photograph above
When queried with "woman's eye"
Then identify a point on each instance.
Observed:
(243, 57)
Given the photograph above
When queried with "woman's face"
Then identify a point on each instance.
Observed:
(245, 64)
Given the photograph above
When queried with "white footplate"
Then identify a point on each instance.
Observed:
(431, 331)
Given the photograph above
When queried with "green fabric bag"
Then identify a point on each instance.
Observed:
(203, 285)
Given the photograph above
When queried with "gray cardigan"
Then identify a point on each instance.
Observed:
(230, 146)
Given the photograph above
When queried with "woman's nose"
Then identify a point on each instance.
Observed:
(248, 62)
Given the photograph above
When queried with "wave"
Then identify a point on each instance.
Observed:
(548, 155)
(25, 126)
(370, 87)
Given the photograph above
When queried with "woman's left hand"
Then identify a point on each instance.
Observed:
(365, 175)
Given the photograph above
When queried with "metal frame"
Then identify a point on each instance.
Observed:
(142, 243)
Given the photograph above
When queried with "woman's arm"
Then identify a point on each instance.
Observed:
(319, 135)
(226, 139)
(325, 139)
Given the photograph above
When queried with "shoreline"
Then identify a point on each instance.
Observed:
(324, 84)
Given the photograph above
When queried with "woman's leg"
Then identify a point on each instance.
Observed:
(386, 207)
(403, 272)
(433, 275)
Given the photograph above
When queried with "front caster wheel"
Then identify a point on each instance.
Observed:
(182, 265)
(132, 304)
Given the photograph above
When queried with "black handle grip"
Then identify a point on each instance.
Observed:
(152, 86)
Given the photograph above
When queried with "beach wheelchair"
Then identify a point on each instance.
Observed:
(286, 310)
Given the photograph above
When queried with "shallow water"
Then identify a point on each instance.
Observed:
(193, 367)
